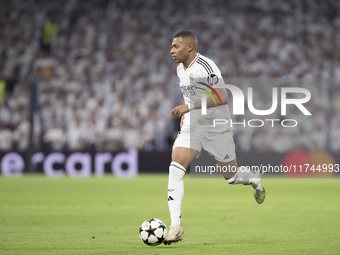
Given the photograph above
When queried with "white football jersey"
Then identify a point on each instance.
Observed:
(197, 81)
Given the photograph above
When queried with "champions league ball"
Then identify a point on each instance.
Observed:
(153, 232)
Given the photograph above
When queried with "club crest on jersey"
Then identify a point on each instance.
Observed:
(191, 77)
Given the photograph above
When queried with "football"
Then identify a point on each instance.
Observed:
(153, 232)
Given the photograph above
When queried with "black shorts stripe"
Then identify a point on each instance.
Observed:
(178, 167)
(206, 63)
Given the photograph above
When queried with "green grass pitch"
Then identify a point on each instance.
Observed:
(40, 215)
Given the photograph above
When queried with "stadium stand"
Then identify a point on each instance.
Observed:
(105, 79)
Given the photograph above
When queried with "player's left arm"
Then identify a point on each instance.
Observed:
(180, 110)
(223, 96)
(219, 97)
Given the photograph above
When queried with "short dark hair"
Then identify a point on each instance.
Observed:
(185, 34)
(188, 35)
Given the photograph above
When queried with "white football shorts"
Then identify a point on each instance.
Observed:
(220, 145)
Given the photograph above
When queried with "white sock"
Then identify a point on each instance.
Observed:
(244, 176)
(175, 192)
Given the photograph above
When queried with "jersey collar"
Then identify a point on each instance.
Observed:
(192, 62)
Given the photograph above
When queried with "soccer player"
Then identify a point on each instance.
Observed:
(197, 130)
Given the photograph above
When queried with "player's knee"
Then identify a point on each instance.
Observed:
(181, 160)
(182, 163)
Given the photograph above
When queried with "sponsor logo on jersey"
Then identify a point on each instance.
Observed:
(188, 90)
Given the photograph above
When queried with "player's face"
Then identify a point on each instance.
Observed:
(179, 50)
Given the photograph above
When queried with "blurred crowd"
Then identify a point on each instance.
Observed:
(105, 79)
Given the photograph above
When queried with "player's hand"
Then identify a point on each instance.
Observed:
(182, 120)
(180, 110)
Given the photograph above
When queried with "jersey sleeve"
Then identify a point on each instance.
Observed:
(210, 73)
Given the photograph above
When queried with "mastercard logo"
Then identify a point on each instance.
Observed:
(305, 163)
